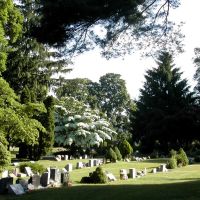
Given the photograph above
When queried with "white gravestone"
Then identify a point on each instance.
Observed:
(69, 167)
(123, 174)
(28, 171)
(4, 174)
(154, 170)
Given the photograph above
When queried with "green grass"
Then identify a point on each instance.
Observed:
(181, 183)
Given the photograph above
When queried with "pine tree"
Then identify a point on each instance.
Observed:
(163, 118)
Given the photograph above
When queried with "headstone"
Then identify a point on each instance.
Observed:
(24, 184)
(145, 171)
(110, 177)
(16, 189)
(4, 183)
(80, 157)
(36, 181)
(16, 171)
(69, 167)
(58, 158)
(123, 174)
(163, 168)
(91, 163)
(4, 174)
(53, 172)
(85, 156)
(79, 165)
(28, 171)
(154, 170)
(65, 157)
(58, 177)
(32, 161)
(16, 164)
(132, 173)
(45, 178)
(96, 162)
(64, 170)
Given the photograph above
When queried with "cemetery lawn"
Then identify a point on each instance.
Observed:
(181, 183)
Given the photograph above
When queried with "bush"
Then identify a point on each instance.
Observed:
(126, 149)
(172, 163)
(111, 155)
(173, 153)
(182, 159)
(118, 154)
(5, 157)
(98, 176)
(35, 167)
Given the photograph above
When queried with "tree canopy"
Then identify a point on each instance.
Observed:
(114, 26)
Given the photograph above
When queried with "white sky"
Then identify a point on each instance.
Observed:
(132, 68)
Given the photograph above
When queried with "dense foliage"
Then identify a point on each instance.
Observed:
(165, 109)
(82, 126)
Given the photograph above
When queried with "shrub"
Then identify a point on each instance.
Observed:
(125, 149)
(98, 176)
(172, 163)
(182, 159)
(35, 167)
(173, 153)
(5, 157)
(118, 154)
(111, 155)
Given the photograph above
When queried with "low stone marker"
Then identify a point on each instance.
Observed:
(79, 165)
(123, 174)
(69, 167)
(4, 174)
(28, 171)
(154, 170)
(45, 179)
(163, 168)
(4, 183)
(132, 173)
(36, 181)
(110, 176)
(16, 189)
(53, 172)
(91, 163)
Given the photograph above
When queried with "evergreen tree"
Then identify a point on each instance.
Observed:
(163, 118)
(125, 149)
(71, 24)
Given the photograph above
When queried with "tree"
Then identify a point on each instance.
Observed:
(111, 155)
(118, 154)
(73, 23)
(115, 101)
(46, 139)
(164, 115)
(125, 149)
(76, 88)
(83, 127)
(30, 65)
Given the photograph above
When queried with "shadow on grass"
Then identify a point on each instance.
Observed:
(183, 191)
(156, 160)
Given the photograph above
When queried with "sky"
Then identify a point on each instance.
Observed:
(132, 68)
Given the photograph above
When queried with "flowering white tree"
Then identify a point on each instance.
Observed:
(85, 127)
